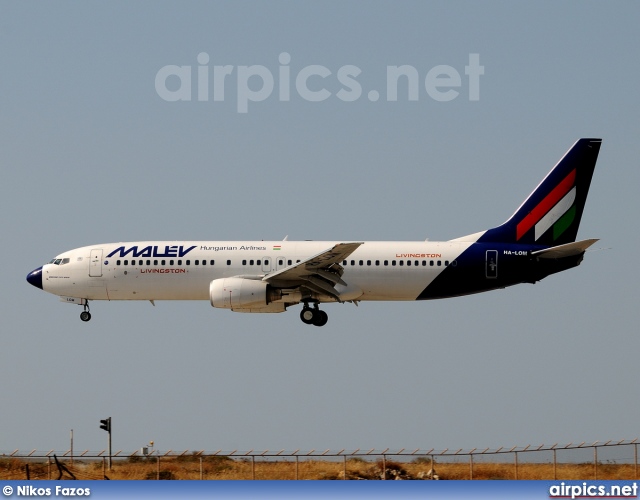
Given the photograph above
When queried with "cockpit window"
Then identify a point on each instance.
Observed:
(65, 261)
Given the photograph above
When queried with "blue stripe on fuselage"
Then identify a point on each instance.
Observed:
(475, 271)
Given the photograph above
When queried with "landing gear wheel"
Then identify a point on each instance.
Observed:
(85, 315)
(307, 315)
(320, 318)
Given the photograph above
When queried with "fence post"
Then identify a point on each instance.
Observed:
(516, 454)
(201, 471)
(104, 467)
(595, 462)
(345, 467)
(470, 466)
(158, 466)
(636, 460)
(384, 467)
(253, 467)
(297, 466)
(49, 465)
(555, 465)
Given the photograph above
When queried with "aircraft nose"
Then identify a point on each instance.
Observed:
(35, 278)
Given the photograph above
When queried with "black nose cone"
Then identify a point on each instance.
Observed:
(35, 277)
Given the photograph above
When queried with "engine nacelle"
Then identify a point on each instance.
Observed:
(241, 293)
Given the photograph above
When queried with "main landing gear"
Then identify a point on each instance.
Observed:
(313, 315)
(85, 315)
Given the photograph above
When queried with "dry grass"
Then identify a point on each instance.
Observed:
(223, 468)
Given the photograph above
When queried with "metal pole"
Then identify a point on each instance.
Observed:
(158, 465)
(636, 460)
(555, 465)
(201, 476)
(253, 467)
(470, 466)
(110, 463)
(595, 462)
(297, 464)
(384, 467)
(345, 467)
(72, 447)
(49, 467)
(104, 467)
(516, 454)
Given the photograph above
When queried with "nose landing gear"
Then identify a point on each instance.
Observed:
(313, 316)
(85, 315)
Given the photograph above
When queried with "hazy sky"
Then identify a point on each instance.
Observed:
(93, 150)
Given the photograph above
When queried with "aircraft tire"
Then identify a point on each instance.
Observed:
(307, 315)
(320, 318)
(85, 316)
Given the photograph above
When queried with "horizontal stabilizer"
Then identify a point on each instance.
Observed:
(567, 250)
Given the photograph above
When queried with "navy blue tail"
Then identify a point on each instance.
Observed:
(551, 215)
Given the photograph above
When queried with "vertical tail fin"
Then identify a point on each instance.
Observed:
(551, 215)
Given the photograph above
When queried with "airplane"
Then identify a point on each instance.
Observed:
(538, 240)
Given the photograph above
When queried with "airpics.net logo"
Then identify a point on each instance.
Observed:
(313, 83)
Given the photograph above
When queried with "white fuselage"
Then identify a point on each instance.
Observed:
(183, 270)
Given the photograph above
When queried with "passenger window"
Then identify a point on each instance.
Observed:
(164, 262)
(117, 262)
(229, 263)
(180, 262)
(155, 262)
(368, 263)
(195, 262)
(386, 262)
(188, 262)
(431, 263)
(344, 262)
(126, 262)
(360, 262)
(204, 262)
(377, 262)
(289, 262)
(258, 262)
(402, 262)
(393, 262)
(244, 262)
(251, 262)
(446, 262)
(439, 262)
(266, 262)
(408, 263)
(171, 262)
(213, 262)
(280, 262)
(148, 263)
(424, 262)
(353, 262)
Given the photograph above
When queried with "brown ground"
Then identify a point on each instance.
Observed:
(192, 467)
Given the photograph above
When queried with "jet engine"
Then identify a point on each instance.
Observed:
(242, 293)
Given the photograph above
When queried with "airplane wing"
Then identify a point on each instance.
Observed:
(566, 250)
(319, 273)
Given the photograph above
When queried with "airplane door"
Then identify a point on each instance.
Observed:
(95, 263)
(491, 264)
(266, 264)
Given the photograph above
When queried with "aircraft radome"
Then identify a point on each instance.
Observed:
(270, 276)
